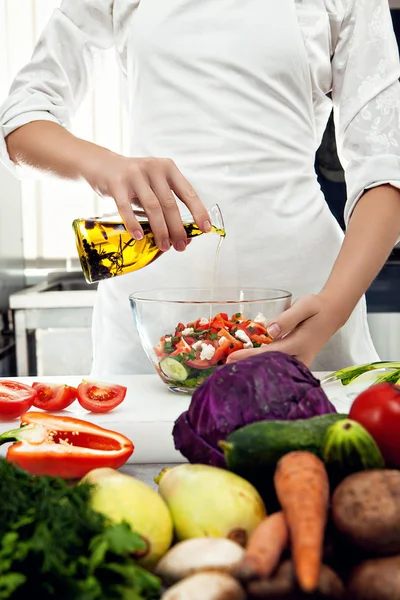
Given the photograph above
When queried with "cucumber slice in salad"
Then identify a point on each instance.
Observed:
(173, 369)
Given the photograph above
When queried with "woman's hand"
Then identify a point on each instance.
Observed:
(151, 184)
(148, 182)
(302, 330)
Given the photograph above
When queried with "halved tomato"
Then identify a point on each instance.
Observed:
(53, 396)
(15, 399)
(100, 397)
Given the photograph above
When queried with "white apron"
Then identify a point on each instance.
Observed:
(224, 89)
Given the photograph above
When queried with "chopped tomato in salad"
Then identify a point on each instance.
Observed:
(190, 353)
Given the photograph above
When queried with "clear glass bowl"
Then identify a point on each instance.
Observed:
(183, 358)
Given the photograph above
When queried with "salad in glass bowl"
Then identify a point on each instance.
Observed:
(188, 333)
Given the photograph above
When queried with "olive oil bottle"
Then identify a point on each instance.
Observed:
(106, 249)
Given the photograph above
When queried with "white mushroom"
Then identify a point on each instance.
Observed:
(198, 554)
(206, 586)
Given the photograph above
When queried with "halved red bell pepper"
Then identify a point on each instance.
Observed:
(64, 446)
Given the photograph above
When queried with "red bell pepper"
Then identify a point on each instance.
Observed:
(63, 446)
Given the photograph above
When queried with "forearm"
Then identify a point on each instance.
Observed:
(49, 147)
(372, 232)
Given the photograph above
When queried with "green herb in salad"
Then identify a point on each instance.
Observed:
(53, 545)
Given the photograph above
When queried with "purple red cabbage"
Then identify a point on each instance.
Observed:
(267, 386)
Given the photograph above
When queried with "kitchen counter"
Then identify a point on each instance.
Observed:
(146, 416)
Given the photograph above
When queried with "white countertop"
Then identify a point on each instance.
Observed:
(36, 298)
(146, 416)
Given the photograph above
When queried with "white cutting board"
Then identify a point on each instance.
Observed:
(147, 414)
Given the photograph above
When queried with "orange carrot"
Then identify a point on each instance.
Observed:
(264, 548)
(302, 487)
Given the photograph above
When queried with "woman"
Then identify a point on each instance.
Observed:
(229, 98)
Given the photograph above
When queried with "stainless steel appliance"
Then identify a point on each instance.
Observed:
(52, 321)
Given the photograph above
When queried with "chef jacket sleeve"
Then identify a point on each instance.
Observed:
(366, 98)
(52, 85)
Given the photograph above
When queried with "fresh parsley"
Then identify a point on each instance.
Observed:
(53, 545)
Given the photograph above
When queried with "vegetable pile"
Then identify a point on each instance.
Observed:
(191, 353)
(305, 504)
(17, 398)
(270, 386)
(320, 543)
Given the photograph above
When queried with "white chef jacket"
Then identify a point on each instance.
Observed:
(236, 92)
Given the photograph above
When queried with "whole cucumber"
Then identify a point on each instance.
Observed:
(260, 445)
(254, 450)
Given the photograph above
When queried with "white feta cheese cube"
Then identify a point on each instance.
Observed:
(207, 352)
(261, 319)
(188, 331)
(167, 339)
(203, 321)
(243, 337)
(197, 345)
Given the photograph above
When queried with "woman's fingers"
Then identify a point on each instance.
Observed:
(285, 323)
(122, 200)
(185, 192)
(153, 182)
(301, 310)
(172, 216)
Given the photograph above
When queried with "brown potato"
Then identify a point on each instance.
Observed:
(366, 510)
(375, 579)
(283, 586)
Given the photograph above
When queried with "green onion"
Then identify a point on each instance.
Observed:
(350, 374)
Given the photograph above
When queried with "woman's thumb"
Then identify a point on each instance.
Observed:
(300, 311)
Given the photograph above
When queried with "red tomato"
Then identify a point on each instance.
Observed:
(197, 363)
(100, 397)
(15, 399)
(200, 327)
(53, 396)
(377, 409)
